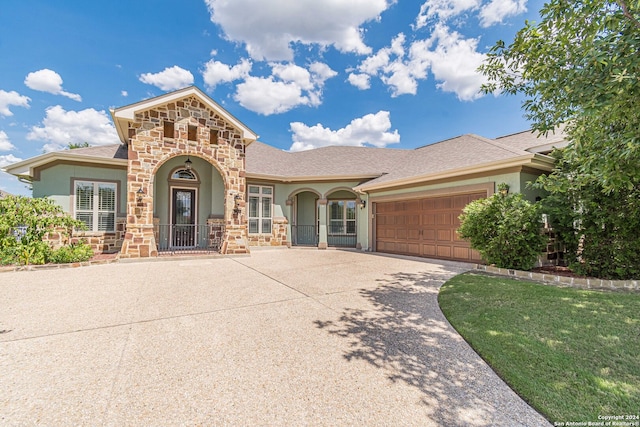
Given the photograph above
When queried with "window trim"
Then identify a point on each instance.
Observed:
(95, 210)
(260, 218)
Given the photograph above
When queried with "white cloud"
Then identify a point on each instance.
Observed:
(269, 28)
(5, 144)
(454, 63)
(12, 98)
(443, 10)
(46, 80)
(215, 72)
(288, 86)
(452, 59)
(497, 10)
(372, 129)
(266, 96)
(397, 70)
(8, 159)
(171, 78)
(361, 81)
(124, 93)
(61, 127)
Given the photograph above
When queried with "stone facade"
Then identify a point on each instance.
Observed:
(197, 131)
(100, 242)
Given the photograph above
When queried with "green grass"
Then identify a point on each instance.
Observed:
(571, 354)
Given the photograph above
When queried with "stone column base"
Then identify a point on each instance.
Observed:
(235, 241)
(139, 242)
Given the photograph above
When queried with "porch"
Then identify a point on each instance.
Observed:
(325, 221)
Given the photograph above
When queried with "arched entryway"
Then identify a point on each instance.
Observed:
(304, 227)
(189, 195)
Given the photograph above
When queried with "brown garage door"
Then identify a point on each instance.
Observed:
(424, 227)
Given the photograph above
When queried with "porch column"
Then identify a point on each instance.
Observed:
(322, 231)
(139, 239)
(289, 215)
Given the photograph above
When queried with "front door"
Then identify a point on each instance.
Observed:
(183, 217)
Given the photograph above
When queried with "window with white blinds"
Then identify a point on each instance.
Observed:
(96, 205)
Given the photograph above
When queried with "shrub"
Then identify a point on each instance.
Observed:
(75, 252)
(505, 229)
(24, 222)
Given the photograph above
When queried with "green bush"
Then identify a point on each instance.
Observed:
(24, 222)
(599, 228)
(75, 252)
(505, 229)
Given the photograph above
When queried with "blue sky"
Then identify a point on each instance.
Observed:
(300, 73)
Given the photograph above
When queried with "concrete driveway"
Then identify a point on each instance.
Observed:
(284, 337)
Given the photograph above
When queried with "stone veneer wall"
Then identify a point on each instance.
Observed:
(278, 236)
(101, 242)
(149, 148)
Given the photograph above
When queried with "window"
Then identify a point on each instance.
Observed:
(184, 174)
(260, 199)
(192, 133)
(96, 205)
(342, 216)
(168, 129)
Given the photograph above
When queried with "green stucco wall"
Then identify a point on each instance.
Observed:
(306, 214)
(55, 182)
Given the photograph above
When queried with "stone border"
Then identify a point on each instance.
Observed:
(9, 268)
(555, 280)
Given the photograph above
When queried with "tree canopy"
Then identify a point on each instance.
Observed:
(580, 66)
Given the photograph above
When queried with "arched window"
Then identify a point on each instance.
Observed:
(184, 174)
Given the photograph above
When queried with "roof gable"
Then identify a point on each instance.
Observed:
(123, 115)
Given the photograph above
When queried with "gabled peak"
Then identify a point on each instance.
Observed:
(189, 96)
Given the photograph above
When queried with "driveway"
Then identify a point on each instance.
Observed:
(283, 337)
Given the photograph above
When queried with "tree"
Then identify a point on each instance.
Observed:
(505, 229)
(580, 68)
(74, 145)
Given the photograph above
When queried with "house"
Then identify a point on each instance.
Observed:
(4, 194)
(188, 175)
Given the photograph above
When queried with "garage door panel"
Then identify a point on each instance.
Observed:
(425, 227)
(444, 251)
(444, 235)
(461, 252)
(429, 250)
(443, 219)
(413, 234)
(429, 234)
(428, 219)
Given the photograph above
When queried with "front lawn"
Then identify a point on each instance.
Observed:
(571, 354)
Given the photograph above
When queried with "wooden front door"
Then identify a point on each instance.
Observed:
(183, 217)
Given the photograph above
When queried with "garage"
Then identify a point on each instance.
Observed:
(424, 227)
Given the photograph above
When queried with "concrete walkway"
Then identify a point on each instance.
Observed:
(284, 337)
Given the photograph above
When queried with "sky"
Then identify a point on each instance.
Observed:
(300, 73)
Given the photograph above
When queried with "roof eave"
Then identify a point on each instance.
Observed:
(306, 178)
(25, 168)
(536, 161)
